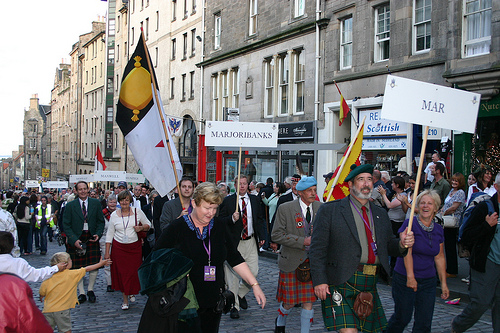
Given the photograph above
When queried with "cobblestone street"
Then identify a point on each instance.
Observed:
(106, 316)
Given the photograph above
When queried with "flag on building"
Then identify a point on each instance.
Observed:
(99, 161)
(341, 189)
(138, 116)
(175, 125)
(344, 108)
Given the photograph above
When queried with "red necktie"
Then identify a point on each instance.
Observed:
(244, 219)
(371, 254)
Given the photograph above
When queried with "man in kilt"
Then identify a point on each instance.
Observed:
(350, 246)
(84, 223)
(292, 230)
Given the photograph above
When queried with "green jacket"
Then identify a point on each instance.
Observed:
(73, 219)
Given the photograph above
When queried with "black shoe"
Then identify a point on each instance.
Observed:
(50, 240)
(82, 298)
(243, 302)
(109, 289)
(278, 329)
(234, 314)
(43, 253)
(91, 296)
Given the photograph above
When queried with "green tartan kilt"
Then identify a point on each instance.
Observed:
(344, 314)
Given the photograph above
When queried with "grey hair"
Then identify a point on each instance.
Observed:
(111, 197)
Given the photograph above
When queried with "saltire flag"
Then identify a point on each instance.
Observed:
(344, 108)
(139, 119)
(341, 189)
(99, 161)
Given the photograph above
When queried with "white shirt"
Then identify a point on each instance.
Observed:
(7, 223)
(121, 228)
(489, 190)
(427, 171)
(249, 213)
(21, 268)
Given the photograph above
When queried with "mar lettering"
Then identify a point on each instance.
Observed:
(433, 106)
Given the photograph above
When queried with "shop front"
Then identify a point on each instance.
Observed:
(482, 147)
(385, 142)
(295, 151)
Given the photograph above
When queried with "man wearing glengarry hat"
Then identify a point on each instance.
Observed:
(292, 230)
(350, 246)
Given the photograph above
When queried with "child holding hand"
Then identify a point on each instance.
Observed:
(60, 291)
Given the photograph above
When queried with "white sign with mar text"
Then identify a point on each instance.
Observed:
(241, 134)
(429, 104)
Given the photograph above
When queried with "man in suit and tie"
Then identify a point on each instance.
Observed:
(350, 245)
(292, 230)
(246, 226)
(83, 224)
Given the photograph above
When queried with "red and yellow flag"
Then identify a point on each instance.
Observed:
(344, 108)
(341, 189)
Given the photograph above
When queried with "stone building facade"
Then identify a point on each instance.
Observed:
(36, 133)
(61, 134)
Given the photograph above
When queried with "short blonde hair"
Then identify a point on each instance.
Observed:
(433, 194)
(207, 192)
(59, 257)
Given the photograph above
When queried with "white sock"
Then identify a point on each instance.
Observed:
(306, 318)
(80, 287)
(92, 278)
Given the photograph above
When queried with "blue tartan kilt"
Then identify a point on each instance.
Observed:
(345, 316)
(92, 256)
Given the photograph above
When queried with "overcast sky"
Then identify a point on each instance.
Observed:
(37, 35)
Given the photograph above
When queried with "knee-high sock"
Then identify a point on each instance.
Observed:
(282, 314)
(80, 287)
(306, 318)
(92, 278)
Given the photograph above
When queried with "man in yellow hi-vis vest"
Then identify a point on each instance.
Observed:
(44, 220)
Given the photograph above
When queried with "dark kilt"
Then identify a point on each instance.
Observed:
(92, 256)
(344, 314)
(292, 291)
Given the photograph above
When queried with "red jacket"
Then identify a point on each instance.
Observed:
(18, 311)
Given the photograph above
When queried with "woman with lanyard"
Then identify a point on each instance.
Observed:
(124, 224)
(414, 283)
(204, 240)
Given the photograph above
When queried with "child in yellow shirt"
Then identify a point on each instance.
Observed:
(60, 291)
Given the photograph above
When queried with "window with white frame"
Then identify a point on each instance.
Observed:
(157, 20)
(217, 32)
(422, 25)
(252, 26)
(132, 37)
(193, 42)
(283, 74)
(299, 78)
(174, 9)
(269, 87)
(235, 79)
(215, 97)
(382, 32)
(146, 32)
(225, 90)
(346, 43)
(33, 143)
(191, 85)
(183, 87)
(477, 27)
(299, 8)
(172, 87)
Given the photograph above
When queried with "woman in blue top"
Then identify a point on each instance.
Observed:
(414, 288)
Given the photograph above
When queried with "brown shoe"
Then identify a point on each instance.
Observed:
(448, 275)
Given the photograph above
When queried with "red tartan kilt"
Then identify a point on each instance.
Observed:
(92, 256)
(292, 291)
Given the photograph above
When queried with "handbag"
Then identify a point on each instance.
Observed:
(450, 221)
(140, 234)
(226, 301)
(303, 271)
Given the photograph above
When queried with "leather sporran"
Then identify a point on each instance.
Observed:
(363, 304)
(303, 272)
